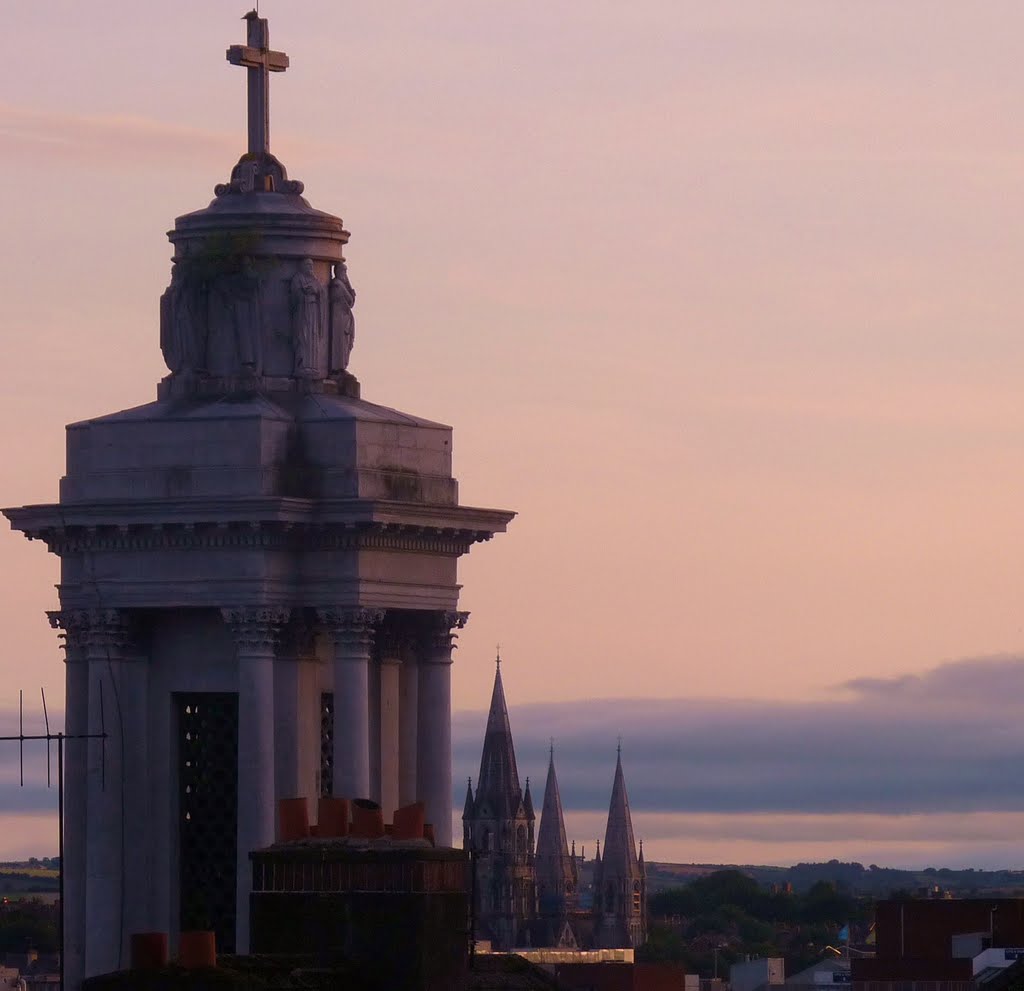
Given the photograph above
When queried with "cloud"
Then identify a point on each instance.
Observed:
(949, 741)
(987, 681)
(127, 140)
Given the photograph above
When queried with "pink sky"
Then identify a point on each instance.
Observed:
(723, 298)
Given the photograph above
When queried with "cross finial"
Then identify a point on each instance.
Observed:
(259, 61)
(497, 658)
(552, 754)
(618, 748)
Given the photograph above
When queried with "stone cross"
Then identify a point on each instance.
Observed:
(260, 61)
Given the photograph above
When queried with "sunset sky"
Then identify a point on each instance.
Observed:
(723, 298)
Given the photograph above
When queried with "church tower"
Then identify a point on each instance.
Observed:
(258, 593)
(620, 880)
(498, 827)
(557, 873)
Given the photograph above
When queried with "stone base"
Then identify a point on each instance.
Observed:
(185, 386)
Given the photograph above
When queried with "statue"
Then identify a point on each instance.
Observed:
(236, 326)
(308, 303)
(181, 330)
(343, 325)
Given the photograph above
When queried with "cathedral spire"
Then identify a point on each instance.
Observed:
(620, 886)
(497, 785)
(619, 843)
(467, 809)
(557, 873)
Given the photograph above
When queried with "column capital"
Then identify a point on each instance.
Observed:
(440, 633)
(351, 627)
(84, 630)
(255, 628)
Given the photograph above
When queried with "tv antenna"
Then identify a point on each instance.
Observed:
(59, 738)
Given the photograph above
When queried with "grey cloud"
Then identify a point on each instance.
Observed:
(997, 680)
(949, 740)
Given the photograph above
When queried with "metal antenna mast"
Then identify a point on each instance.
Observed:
(22, 738)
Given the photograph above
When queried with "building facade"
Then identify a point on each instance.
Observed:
(258, 593)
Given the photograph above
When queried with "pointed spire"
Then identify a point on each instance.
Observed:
(551, 842)
(467, 810)
(557, 873)
(597, 855)
(497, 785)
(528, 802)
(640, 859)
(619, 845)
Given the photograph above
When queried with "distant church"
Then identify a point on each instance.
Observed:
(527, 880)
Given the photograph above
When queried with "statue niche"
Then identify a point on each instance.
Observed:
(343, 325)
(182, 323)
(234, 345)
(308, 302)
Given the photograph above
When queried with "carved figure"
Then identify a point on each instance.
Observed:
(308, 304)
(236, 326)
(343, 325)
(181, 324)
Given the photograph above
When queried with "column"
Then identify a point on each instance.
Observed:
(256, 631)
(351, 632)
(101, 787)
(434, 767)
(76, 724)
(290, 717)
(390, 715)
(408, 742)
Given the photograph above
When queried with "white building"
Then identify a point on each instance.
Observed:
(258, 576)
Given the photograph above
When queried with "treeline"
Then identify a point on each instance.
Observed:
(722, 918)
(883, 881)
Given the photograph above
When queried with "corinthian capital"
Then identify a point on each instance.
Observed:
(351, 626)
(85, 630)
(256, 629)
(440, 630)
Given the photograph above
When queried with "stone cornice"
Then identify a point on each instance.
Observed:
(292, 524)
(267, 534)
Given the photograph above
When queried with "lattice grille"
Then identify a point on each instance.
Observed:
(327, 743)
(208, 811)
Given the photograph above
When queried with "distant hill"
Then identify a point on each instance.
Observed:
(28, 877)
(853, 877)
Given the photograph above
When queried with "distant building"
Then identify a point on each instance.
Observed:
(530, 894)
(942, 945)
(757, 975)
(830, 974)
(498, 826)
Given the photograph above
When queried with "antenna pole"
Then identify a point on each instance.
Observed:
(60, 844)
(46, 721)
(21, 735)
